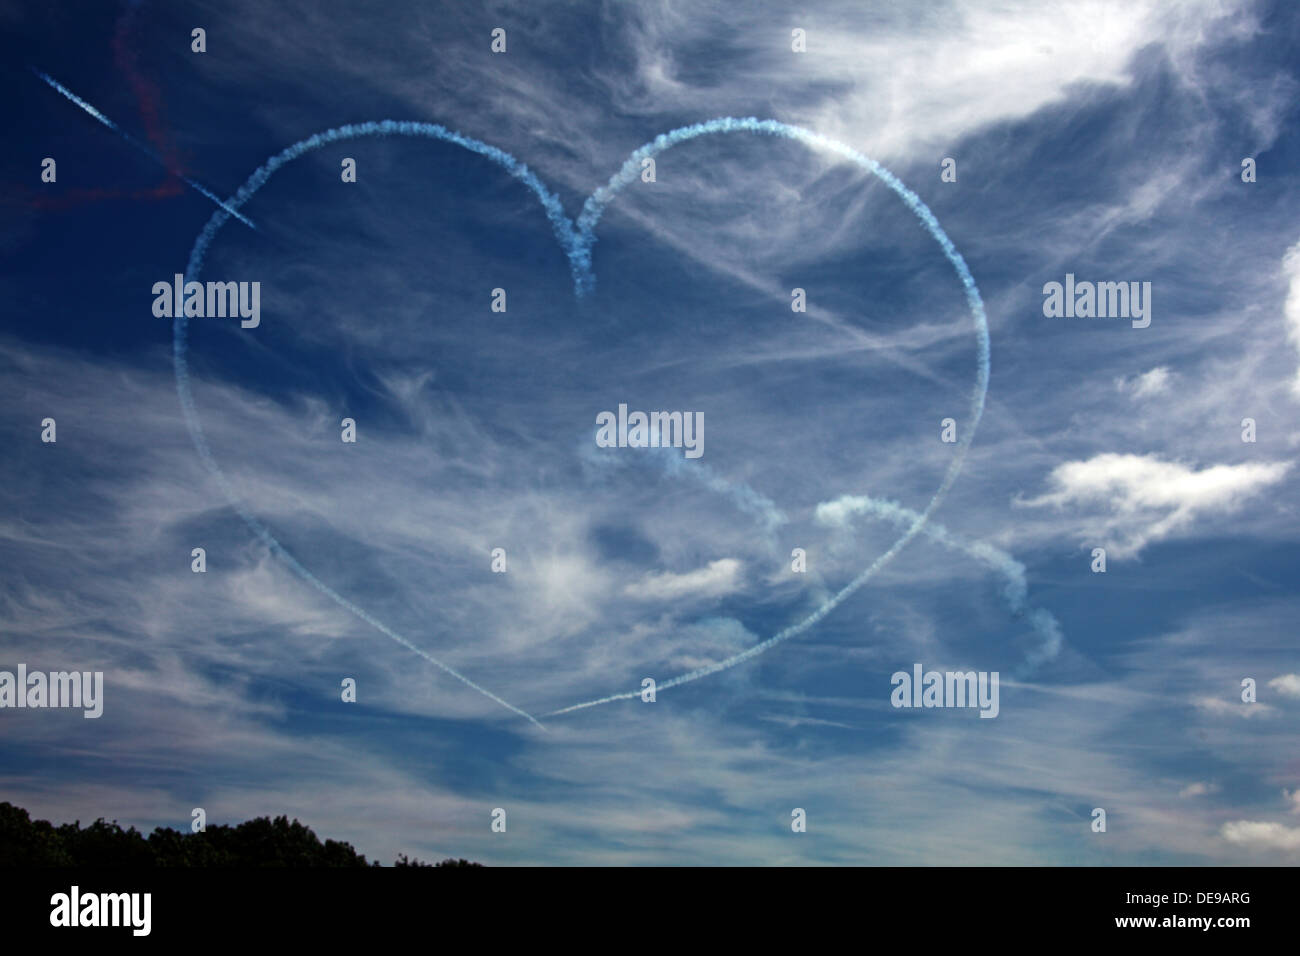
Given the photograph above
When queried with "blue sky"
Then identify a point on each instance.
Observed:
(1103, 140)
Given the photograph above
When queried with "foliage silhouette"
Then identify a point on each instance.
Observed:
(262, 842)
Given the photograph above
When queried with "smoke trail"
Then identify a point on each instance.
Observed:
(595, 207)
(73, 97)
(577, 244)
(180, 328)
(564, 231)
(745, 498)
(1015, 590)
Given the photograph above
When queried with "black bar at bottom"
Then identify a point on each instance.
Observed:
(644, 906)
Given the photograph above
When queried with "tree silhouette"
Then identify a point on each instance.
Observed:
(404, 860)
(262, 842)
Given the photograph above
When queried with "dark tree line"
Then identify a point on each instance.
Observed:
(262, 842)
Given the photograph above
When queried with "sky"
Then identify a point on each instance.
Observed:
(1100, 140)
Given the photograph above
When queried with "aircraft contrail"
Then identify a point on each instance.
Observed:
(577, 242)
(198, 187)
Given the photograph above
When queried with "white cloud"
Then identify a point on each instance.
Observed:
(719, 577)
(1147, 499)
(1147, 384)
(1198, 789)
(1288, 685)
(1261, 835)
(1293, 797)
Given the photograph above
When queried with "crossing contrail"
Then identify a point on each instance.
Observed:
(198, 187)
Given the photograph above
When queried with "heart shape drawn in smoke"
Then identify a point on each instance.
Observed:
(577, 239)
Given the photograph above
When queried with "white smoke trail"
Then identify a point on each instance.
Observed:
(595, 207)
(1015, 590)
(564, 231)
(745, 498)
(73, 97)
(577, 244)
